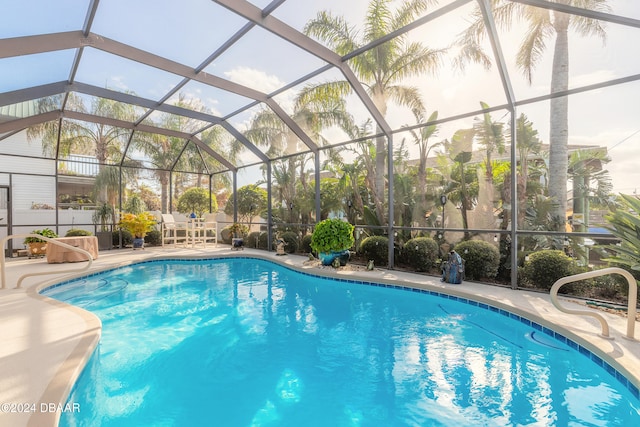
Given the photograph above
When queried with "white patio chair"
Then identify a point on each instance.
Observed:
(210, 228)
(172, 230)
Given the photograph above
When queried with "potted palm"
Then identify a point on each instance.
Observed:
(37, 247)
(138, 225)
(331, 239)
(102, 217)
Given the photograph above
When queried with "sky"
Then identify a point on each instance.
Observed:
(189, 30)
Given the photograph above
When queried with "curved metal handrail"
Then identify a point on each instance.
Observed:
(3, 276)
(631, 308)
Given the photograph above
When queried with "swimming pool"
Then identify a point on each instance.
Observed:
(246, 342)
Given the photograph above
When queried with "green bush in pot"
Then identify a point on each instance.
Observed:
(332, 236)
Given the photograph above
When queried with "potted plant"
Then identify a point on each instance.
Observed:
(331, 239)
(103, 216)
(138, 225)
(38, 247)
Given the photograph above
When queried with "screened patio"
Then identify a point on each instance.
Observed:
(511, 122)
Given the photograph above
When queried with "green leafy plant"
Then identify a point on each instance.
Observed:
(543, 268)
(78, 232)
(332, 235)
(376, 248)
(153, 237)
(196, 200)
(291, 240)
(481, 259)
(624, 223)
(46, 232)
(239, 230)
(420, 253)
(305, 244)
(103, 216)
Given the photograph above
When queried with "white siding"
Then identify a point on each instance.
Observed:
(18, 144)
(26, 164)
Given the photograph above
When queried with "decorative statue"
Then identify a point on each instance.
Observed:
(280, 244)
(453, 269)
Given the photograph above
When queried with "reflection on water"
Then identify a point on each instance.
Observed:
(247, 343)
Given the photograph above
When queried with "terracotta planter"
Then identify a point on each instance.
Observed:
(36, 249)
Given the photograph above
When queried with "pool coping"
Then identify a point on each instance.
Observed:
(623, 356)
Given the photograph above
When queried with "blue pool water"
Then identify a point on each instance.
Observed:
(245, 342)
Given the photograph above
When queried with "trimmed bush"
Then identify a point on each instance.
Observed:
(420, 253)
(78, 232)
(153, 238)
(481, 259)
(252, 240)
(305, 244)
(127, 238)
(226, 235)
(291, 240)
(376, 248)
(262, 241)
(545, 267)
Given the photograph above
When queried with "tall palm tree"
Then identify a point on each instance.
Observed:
(489, 134)
(586, 169)
(421, 137)
(543, 25)
(102, 141)
(461, 181)
(527, 143)
(312, 112)
(381, 69)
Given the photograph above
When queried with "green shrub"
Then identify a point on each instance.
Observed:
(332, 234)
(291, 240)
(545, 267)
(481, 259)
(127, 238)
(46, 232)
(153, 238)
(73, 232)
(252, 240)
(262, 240)
(420, 253)
(305, 244)
(376, 248)
(226, 235)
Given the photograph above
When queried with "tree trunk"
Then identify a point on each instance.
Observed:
(559, 122)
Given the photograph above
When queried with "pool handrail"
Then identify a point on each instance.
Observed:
(3, 276)
(631, 307)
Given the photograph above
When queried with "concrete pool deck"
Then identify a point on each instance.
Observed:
(45, 343)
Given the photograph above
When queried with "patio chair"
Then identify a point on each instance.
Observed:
(172, 230)
(210, 228)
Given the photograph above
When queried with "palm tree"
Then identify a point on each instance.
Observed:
(102, 141)
(382, 68)
(461, 184)
(421, 137)
(489, 134)
(544, 25)
(585, 168)
(527, 142)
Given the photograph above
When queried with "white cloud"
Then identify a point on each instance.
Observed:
(256, 79)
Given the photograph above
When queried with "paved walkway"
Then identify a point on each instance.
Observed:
(44, 343)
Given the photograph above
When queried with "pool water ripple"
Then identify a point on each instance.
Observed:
(245, 342)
